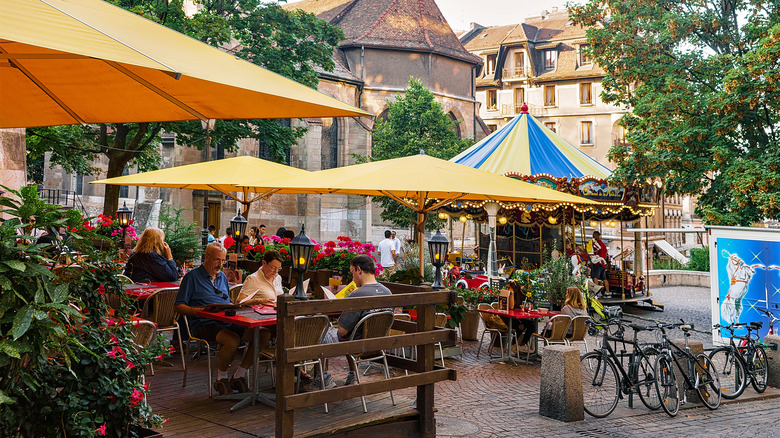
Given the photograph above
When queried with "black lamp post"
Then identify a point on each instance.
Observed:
(123, 216)
(238, 225)
(301, 248)
(437, 247)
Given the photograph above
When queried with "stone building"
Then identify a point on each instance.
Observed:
(386, 43)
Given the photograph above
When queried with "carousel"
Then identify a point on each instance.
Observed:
(517, 235)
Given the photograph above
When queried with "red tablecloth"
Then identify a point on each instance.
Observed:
(141, 291)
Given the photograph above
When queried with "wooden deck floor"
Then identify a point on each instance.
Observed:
(192, 414)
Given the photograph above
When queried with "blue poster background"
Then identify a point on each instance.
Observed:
(764, 285)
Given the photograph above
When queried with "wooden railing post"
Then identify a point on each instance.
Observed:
(285, 372)
(426, 317)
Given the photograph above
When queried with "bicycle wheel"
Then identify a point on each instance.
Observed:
(645, 381)
(666, 384)
(600, 385)
(730, 372)
(760, 371)
(706, 381)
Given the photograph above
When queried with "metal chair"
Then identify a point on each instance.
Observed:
(401, 352)
(163, 315)
(496, 327)
(199, 341)
(235, 290)
(309, 330)
(441, 321)
(124, 279)
(143, 334)
(373, 325)
(557, 334)
(579, 329)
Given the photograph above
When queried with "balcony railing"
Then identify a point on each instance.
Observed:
(516, 73)
(514, 109)
(65, 198)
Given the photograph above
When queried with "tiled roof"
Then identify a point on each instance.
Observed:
(566, 67)
(490, 38)
(415, 25)
(340, 70)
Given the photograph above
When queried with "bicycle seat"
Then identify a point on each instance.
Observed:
(640, 328)
(686, 327)
(755, 325)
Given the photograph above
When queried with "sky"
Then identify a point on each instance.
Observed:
(459, 13)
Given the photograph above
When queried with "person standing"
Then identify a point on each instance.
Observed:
(599, 258)
(397, 243)
(386, 250)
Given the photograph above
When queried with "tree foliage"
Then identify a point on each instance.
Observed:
(416, 122)
(702, 81)
(291, 43)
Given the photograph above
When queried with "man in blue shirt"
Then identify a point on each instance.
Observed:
(204, 286)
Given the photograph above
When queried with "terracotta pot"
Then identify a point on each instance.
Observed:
(470, 325)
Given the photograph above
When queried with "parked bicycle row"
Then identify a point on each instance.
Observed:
(664, 374)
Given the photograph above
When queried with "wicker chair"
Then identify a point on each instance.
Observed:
(235, 291)
(401, 352)
(441, 321)
(163, 315)
(496, 327)
(560, 323)
(143, 334)
(579, 329)
(373, 325)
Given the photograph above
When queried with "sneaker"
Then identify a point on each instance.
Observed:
(351, 379)
(316, 384)
(305, 377)
(222, 386)
(239, 384)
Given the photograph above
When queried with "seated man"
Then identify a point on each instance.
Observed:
(263, 286)
(362, 270)
(205, 286)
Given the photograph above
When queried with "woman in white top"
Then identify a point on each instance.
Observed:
(263, 286)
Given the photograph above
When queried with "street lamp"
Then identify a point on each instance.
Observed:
(301, 248)
(123, 215)
(437, 247)
(238, 225)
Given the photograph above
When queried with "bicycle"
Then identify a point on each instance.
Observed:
(599, 368)
(695, 371)
(735, 365)
(772, 320)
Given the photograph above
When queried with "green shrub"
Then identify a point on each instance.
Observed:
(182, 235)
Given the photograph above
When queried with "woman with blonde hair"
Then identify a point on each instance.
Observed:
(152, 260)
(574, 305)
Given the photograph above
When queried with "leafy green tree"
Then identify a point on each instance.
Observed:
(701, 80)
(416, 122)
(291, 43)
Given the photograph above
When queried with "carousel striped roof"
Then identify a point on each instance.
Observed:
(525, 146)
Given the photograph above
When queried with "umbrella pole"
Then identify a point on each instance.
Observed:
(420, 233)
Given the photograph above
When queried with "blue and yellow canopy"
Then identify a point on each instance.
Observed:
(525, 146)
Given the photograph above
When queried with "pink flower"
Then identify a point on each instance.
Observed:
(146, 386)
(110, 321)
(129, 365)
(171, 349)
(136, 397)
(101, 430)
(117, 352)
(101, 290)
(113, 340)
(165, 421)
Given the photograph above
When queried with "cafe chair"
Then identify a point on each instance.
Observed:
(555, 335)
(200, 342)
(373, 325)
(235, 291)
(496, 327)
(309, 330)
(124, 279)
(579, 329)
(441, 321)
(163, 315)
(143, 334)
(401, 352)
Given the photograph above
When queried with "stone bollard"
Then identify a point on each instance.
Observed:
(560, 395)
(696, 347)
(773, 360)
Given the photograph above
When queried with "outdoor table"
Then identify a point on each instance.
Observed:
(517, 314)
(248, 317)
(142, 291)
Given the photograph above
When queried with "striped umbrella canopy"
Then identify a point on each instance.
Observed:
(525, 146)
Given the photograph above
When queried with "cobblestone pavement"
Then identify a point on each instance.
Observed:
(502, 400)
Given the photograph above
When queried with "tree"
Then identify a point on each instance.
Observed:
(415, 122)
(291, 43)
(701, 79)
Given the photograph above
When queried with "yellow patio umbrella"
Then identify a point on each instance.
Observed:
(422, 183)
(87, 61)
(226, 176)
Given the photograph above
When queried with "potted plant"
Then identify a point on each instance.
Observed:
(183, 237)
(471, 298)
(556, 279)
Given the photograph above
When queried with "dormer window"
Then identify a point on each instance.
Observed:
(584, 55)
(550, 57)
(490, 64)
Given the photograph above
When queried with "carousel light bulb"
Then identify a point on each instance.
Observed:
(463, 219)
(553, 220)
(502, 220)
(593, 224)
(442, 215)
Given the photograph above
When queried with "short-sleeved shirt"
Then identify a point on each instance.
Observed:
(386, 248)
(348, 320)
(197, 289)
(397, 243)
(257, 286)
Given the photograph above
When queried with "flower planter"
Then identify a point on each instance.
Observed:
(145, 433)
(469, 326)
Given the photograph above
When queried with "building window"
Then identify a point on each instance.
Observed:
(492, 128)
(492, 99)
(519, 98)
(587, 133)
(549, 95)
(490, 64)
(519, 64)
(550, 126)
(124, 191)
(455, 123)
(168, 140)
(584, 55)
(586, 94)
(330, 143)
(79, 185)
(549, 59)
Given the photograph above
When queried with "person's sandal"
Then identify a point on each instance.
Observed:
(222, 386)
(239, 384)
